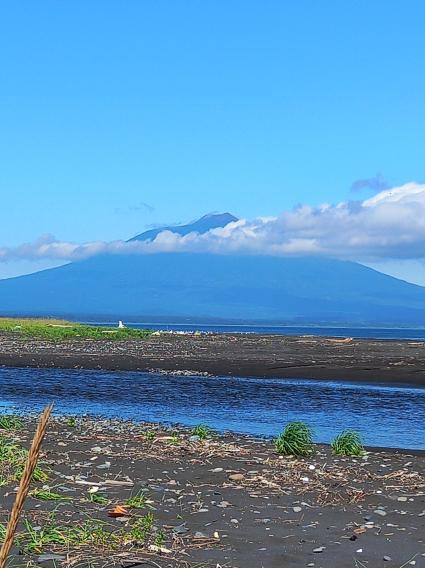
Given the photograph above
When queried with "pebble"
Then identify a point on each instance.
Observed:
(180, 529)
(297, 509)
(194, 439)
(402, 499)
(380, 512)
(319, 549)
(236, 477)
(387, 558)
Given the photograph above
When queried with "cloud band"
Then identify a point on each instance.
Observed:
(389, 225)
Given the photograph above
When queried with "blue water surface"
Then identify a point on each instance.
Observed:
(387, 416)
(314, 330)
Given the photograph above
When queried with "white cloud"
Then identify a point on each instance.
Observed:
(389, 225)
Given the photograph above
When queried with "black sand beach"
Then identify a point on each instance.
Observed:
(246, 355)
(229, 501)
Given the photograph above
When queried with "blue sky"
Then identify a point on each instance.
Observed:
(119, 115)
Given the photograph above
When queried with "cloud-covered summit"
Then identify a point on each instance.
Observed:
(391, 224)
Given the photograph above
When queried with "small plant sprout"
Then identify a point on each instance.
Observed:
(149, 435)
(348, 443)
(174, 440)
(202, 431)
(296, 439)
(71, 422)
(160, 538)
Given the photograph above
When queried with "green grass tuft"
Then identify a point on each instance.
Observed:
(138, 501)
(71, 422)
(12, 462)
(10, 422)
(48, 495)
(203, 431)
(98, 498)
(296, 439)
(348, 443)
(142, 528)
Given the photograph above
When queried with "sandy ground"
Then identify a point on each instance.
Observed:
(229, 501)
(231, 354)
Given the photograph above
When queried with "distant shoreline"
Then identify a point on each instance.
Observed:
(245, 355)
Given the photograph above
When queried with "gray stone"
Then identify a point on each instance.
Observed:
(180, 529)
(50, 557)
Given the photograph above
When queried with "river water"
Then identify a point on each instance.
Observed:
(387, 416)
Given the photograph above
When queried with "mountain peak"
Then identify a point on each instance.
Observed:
(202, 225)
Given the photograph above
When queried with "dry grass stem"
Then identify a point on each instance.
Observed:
(24, 485)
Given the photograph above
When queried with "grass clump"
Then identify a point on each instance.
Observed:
(174, 439)
(48, 495)
(10, 422)
(296, 439)
(62, 329)
(348, 443)
(98, 499)
(12, 462)
(71, 422)
(142, 528)
(99, 535)
(150, 435)
(138, 501)
(92, 531)
(39, 474)
(203, 431)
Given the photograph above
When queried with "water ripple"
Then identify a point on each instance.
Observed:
(387, 416)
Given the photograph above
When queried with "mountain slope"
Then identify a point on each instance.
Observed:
(202, 225)
(204, 286)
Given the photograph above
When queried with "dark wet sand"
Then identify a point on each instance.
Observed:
(246, 355)
(322, 511)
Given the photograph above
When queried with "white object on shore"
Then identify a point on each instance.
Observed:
(121, 325)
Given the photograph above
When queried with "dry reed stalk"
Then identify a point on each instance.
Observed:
(24, 485)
